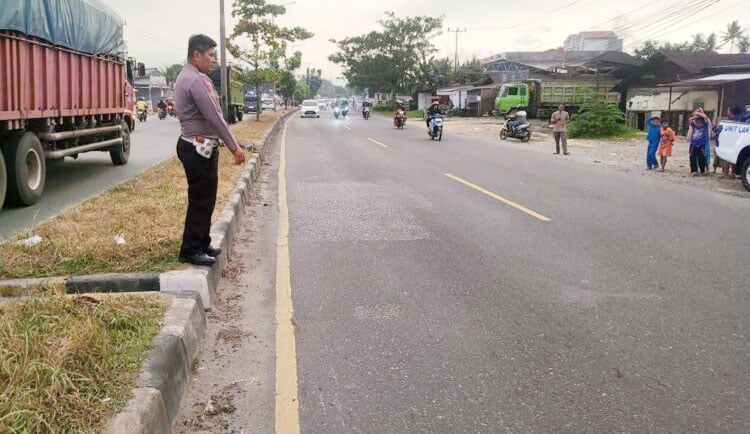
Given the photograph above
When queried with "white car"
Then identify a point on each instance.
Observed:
(322, 104)
(309, 108)
(267, 104)
(734, 147)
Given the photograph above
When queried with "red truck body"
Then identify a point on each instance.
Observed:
(39, 80)
(55, 103)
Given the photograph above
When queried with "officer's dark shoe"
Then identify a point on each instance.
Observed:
(198, 259)
(210, 251)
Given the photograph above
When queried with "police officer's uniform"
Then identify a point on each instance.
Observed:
(202, 126)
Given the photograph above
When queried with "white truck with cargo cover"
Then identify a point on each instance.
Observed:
(734, 147)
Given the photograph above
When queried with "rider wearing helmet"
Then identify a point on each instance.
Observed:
(141, 105)
(432, 111)
(518, 118)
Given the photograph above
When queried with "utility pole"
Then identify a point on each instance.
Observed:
(456, 31)
(223, 67)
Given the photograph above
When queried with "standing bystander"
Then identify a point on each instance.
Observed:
(698, 137)
(559, 122)
(665, 145)
(653, 136)
(202, 125)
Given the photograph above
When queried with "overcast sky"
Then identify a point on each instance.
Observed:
(156, 31)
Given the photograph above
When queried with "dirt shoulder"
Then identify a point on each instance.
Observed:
(621, 155)
(233, 389)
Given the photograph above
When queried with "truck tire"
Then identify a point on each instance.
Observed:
(239, 113)
(3, 179)
(232, 115)
(745, 174)
(121, 154)
(26, 167)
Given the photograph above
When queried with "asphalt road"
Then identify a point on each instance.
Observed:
(73, 181)
(522, 293)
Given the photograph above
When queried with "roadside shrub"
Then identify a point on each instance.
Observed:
(455, 112)
(597, 119)
(382, 108)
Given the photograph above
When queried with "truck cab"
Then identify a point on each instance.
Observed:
(512, 95)
(734, 147)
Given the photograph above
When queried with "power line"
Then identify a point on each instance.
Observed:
(695, 21)
(523, 21)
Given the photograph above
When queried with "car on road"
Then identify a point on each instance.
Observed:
(322, 104)
(734, 147)
(310, 108)
(267, 104)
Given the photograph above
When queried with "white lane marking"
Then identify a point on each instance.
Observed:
(377, 143)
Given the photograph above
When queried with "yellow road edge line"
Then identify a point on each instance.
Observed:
(499, 198)
(287, 396)
(377, 143)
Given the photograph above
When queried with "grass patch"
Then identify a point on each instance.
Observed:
(148, 211)
(68, 364)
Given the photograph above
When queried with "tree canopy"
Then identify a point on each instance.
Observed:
(392, 59)
(267, 41)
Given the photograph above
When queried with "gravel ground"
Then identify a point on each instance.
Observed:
(232, 388)
(622, 155)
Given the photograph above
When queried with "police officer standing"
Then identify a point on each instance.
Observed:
(202, 126)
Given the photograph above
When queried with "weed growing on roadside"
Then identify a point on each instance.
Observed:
(68, 364)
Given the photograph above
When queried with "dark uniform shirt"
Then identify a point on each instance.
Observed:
(198, 107)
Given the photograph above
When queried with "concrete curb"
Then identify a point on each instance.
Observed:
(204, 280)
(166, 370)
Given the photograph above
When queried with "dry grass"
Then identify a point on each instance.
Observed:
(147, 211)
(68, 364)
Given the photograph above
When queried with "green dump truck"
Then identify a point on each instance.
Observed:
(541, 97)
(235, 94)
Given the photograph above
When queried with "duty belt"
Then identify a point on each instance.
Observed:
(203, 145)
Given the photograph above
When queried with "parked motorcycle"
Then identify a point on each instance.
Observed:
(522, 132)
(400, 119)
(142, 115)
(436, 127)
(162, 114)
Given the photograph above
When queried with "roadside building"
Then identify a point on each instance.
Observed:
(502, 70)
(152, 87)
(673, 84)
(555, 60)
(481, 100)
(456, 94)
(593, 41)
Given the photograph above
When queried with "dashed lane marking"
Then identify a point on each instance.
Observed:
(497, 197)
(377, 143)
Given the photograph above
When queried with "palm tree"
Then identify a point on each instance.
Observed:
(733, 33)
(744, 44)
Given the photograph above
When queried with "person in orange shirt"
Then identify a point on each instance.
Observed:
(665, 144)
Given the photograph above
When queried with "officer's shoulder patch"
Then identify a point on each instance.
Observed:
(209, 84)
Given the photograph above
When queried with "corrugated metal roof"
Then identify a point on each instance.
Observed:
(711, 80)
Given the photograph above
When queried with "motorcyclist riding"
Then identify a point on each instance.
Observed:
(399, 118)
(432, 111)
(517, 118)
(141, 105)
(162, 105)
(365, 106)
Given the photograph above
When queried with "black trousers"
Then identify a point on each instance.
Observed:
(697, 160)
(202, 178)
